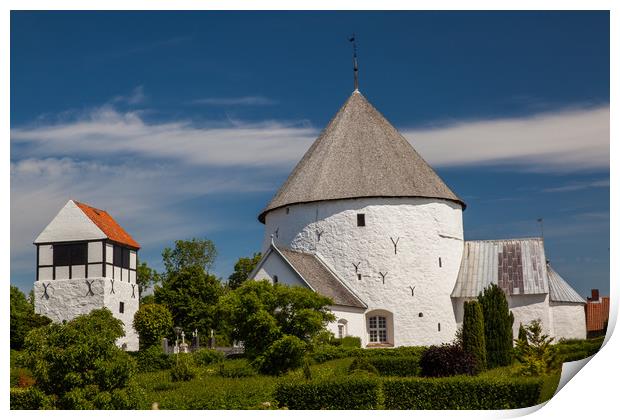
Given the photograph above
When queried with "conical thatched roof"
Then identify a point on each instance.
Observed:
(359, 154)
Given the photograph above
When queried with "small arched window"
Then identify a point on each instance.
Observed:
(342, 328)
(275, 279)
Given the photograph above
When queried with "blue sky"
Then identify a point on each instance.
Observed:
(184, 124)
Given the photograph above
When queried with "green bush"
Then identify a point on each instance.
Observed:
(236, 368)
(351, 342)
(362, 364)
(396, 365)
(350, 393)
(153, 359)
(152, 322)
(325, 353)
(183, 369)
(570, 350)
(284, 354)
(206, 357)
(28, 399)
(473, 334)
(536, 354)
(461, 393)
(498, 322)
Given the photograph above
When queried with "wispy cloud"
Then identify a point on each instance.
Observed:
(561, 141)
(576, 186)
(136, 97)
(239, 101)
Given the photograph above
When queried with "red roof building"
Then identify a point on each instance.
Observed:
(597, 314)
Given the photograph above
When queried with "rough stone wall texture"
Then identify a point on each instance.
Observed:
(426, 230)
(68, 299)
(569, 320)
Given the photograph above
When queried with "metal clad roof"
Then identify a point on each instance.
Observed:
(359, 154)
(560, 290)
(516, 265)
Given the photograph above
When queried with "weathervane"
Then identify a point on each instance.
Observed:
(355, 81)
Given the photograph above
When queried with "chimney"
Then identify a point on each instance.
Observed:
(594, 297)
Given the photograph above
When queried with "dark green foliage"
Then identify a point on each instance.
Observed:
(146, 278)
(362, 364)
(206, 357)
(236, 368)
(473, 334)
(350, 393)
(396, 365)
(570, 350)
(192, 296)
(183, 369)
(522, 333)
(258, 313)
(284, 354)
(80, 360)
(536, 354)
(23, 318)
(152, 323)
(461, 393)
(30, 398)
(242, 270)
(306, 370)
(327, 352)
(154, 359)
(446, 360)
(498, 322)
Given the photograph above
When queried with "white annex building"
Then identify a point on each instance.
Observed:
(86, 261)
(364, 220)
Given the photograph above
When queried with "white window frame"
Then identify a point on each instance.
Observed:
(377, 329)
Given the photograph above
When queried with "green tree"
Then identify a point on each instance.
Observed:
(536, 353)
(192, 296)
(146, 277)
(473, 333)
(199, 253)
(498, 322)
(259, 313)
(78, 364)
(22, 317)
(152, 322)
(243, 268)
(522, 333)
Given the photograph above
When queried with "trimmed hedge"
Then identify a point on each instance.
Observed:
(349, 393)
(461, 393)
(237, 368)
(570, 350)
(325, 353)
(396, 365)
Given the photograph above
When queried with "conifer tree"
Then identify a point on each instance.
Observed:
(473, 334)
(522, 334)
(498, 322)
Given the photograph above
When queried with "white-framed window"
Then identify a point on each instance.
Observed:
(340, 331)
(342, 328)
(377, 328)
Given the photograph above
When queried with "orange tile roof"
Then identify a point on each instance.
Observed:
(597, 314)
(108, 225)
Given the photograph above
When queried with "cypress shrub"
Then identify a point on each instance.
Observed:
(349, 393)
(461, 393)
(497, 326)
(473, 334)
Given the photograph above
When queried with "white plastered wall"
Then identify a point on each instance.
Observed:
(274, 265)
(355, 321)
(427, 229)
(569, 320)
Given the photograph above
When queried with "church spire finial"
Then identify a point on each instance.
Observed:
(355, 78)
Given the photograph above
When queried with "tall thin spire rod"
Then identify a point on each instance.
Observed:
(355, 77)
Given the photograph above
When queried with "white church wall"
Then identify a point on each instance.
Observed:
(46, 255)
(274, 265)
(129, 296)
(569, 320)
(46, 273)
(95, 251)
(70, 224)
(527, 308)
(426, 230)
(355, 322)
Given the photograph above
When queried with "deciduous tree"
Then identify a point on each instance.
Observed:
(243, 268)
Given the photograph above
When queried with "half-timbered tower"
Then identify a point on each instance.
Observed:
(86, 261)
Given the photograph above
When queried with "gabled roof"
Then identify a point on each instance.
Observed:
(560, 290)
(80, 222)
(359, 154)
(315, 274)
(518, 266)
